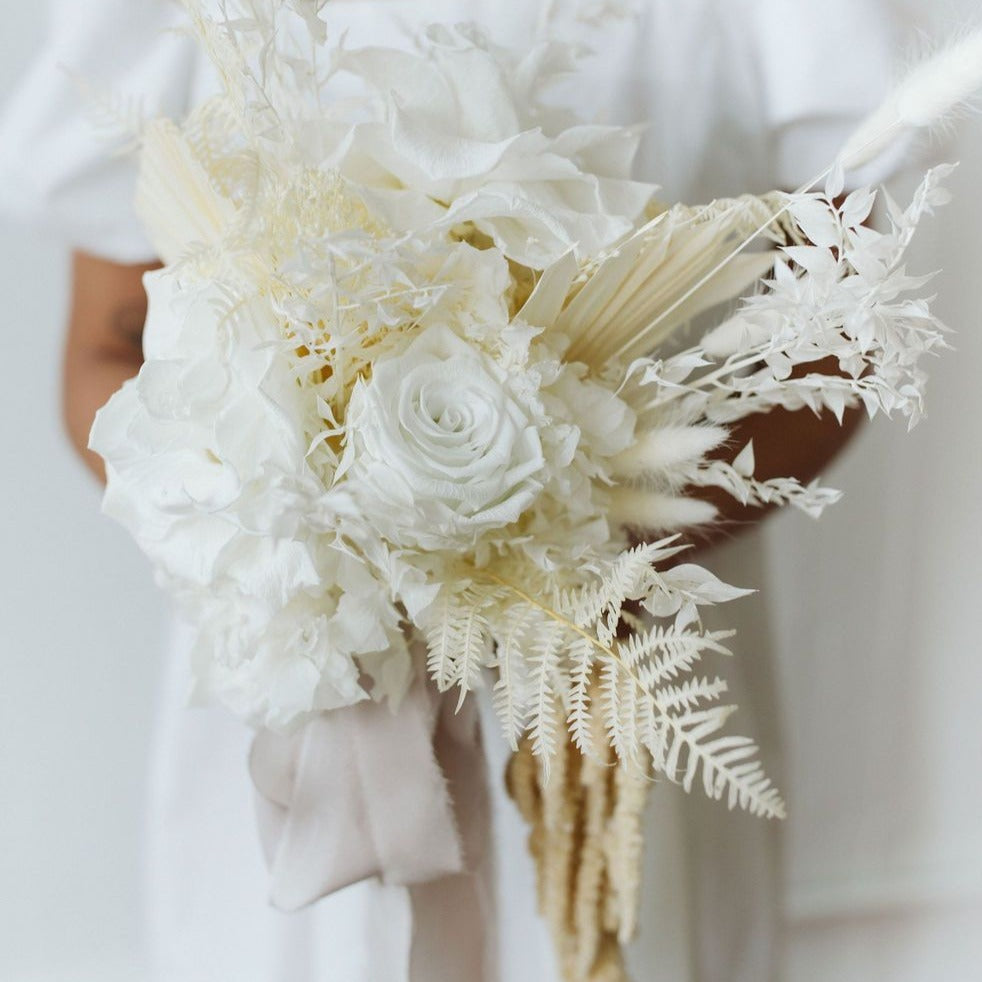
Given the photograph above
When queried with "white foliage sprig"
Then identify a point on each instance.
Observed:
(846, 296)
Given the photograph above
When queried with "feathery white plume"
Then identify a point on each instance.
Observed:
(654, 511)
(930, 92)
(667, 447)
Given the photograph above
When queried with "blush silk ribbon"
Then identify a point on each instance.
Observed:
(366, 792)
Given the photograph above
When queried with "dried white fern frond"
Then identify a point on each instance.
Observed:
(512, 693)
(579, 719)
(691, 694)
(459, 640)
(627, 576)
(116, 117)
(689, 743)
(648, 700)
(546, 648)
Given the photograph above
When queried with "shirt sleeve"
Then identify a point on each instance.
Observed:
(823, 67)
(58, 171)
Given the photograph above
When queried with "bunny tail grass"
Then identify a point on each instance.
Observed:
(932, 91)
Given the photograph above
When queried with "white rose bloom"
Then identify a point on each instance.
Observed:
(439, 451)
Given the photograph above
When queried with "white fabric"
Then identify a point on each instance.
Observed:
(739, 94)
(207, 880)
(56, 162)
(880, 670)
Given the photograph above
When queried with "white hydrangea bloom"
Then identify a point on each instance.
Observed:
(463, 136)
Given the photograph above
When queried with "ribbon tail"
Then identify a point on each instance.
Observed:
(454, 922)
(366, 792)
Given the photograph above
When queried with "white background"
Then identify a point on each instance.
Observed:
(79, 647)
(81, 623)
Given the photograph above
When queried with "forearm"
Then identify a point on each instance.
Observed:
(95, 377)
(786, 444)
(103, 347)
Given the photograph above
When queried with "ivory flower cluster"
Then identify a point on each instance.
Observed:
(412, 369)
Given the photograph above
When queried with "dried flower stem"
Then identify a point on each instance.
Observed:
(585, 837)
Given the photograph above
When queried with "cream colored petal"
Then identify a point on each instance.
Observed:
(175, 198)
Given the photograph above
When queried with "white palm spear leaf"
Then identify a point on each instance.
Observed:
(175, 198)
(547, 300)
(612, 315)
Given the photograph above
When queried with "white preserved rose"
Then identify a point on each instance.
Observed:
(439, 450)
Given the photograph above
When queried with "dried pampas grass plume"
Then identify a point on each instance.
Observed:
(936, 88)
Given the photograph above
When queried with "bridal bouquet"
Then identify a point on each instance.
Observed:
(420, 366)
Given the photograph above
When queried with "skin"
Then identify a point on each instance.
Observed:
(786, 444)
(104, 343)
(103, 350)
